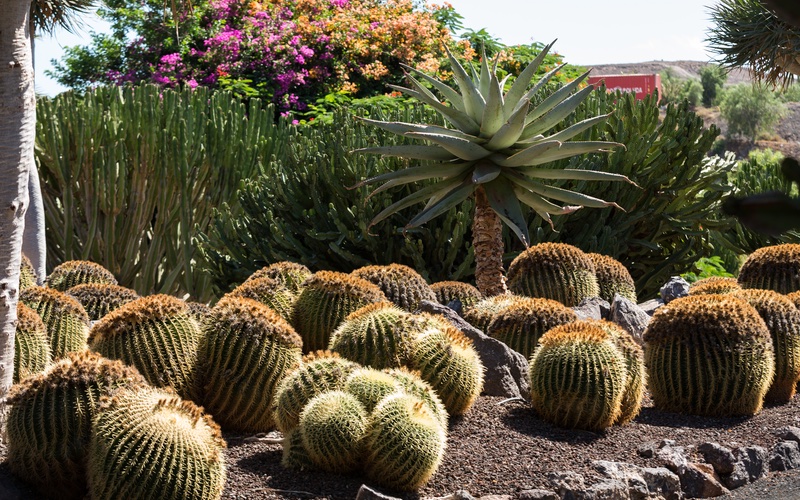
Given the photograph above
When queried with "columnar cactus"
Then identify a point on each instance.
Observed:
(290, 274)
(377, 335)
(714, 284)
(27, 274)
(578, 377)
(709, 355)
(554, 271)
(612, 278)
(448, 291)
(49, 423)
(177, 452)
(783, 321)
(156, 334)
(633, 354)
(327, 298)
(64, 317)
(270, 292)
(402, 285)
(78, 272)
(520, 325)
(245, 352)
(31, 345)
(99, 299)
(333, 426)
(483, 312)
(772, 268)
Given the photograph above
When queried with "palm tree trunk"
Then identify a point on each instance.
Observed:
(487, 238)
(17, 133)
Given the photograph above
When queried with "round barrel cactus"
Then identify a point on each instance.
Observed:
(405, 443)
(50, 420)
(412, 383)
(554, 271)
(78, 272)
(448, 291)
(294, 454)
(578, 377)
(199, 311)
(709, 355)
(99, 299)
(270, 292)
(333, 426)
(177, 452)
(318, 372)
(27, 274)
(377, 335)
(783, 322)
(64, 318)
(633, 354)
(714, 284)
(612, 278)
(520, 325)
(402, 285)
(31, 345)
(246, 350)
(327, 298)
(772, 268)
(156, 334)
(481, 314)
(290, 274)
(370, 386)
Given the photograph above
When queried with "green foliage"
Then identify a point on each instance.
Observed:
(791, 93)
(712, 78)
(706, 267)
(751, 110)
(677, 89)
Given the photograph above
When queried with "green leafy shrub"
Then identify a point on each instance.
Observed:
(677, 89)
(751, 110)
(712, 77)
(706, 267)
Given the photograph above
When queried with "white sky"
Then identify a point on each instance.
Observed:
(588, 31)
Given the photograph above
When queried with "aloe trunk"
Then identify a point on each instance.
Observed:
(487, 238)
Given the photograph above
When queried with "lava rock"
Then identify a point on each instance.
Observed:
(628, 474)
(567, 484)
(630, 317)
(751, 464)
(662, 483)
(538, 494)
(650, 306)
(785, 456)
(367, 493)
(610, 489)
(675, 288)
(698, 481)
(593, 308)
(789, 433)
(721, 458)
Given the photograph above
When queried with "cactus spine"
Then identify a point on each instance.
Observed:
(370, 386)
(78, 272)
(27, 274)
(31, 345)
(554, 271)
(377, 335)
(714, 284)
(448, 291)
(99, 299)
(64, 318)
(520, 325)
(634, 366)
(483, 312)
(402, 285)
(289, 274)
(772, 268)
(333, 425)
(412, 383)
(270, 292)
(612, 278)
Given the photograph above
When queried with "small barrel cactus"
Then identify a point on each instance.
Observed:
(31, 345)
(64, 318)
(483, 312)
(370, 386)
(554, 271)
(612, 278)
(177, 452)
(333, 426)
(318, 372)
(714, 284)
(290, 274)
(78, 272)
(27, 274)
(156, 334)
(377, 335)
(405, 443)
(246, 350)
(327, 298)
(709, 355)
(783, 321)
(448, 291)
(412, 383)
(294, 454)
(402, 285)
(520, 325)
(578, 377)
(633, 354)
(50, 420)
(199, 311)
(99, 299)
(772, 268)
(270, 292)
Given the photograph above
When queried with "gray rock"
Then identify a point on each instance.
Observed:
(649, 448)
(628, 474)
(675, 288)
(650, 306)
(610, 489)
(698, 481)
(629, 316)
(367, 493)
(569, 485)
(785, 456)
(538, 495)
(506, 372)
(593, 308)
(789, 433)
(721, 458)
(672, 457)
(751, 464)
(662, 483)
(496, 497)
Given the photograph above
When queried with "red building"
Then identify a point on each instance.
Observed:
(642, 85)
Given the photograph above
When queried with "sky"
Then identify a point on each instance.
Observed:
(589, 32)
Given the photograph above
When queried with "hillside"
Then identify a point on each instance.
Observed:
(682, 69)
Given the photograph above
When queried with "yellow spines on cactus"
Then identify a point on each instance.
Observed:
(31, 345)
(709, 355)
(578, 377)
(612, 278)
(270, 292)
(327, 298)
(99, 299)
(49, 423)
(481, 313)
(714, 284)
(247, 349)
(294, 454)
(376, 335)
(554, 271)
(78, 272)
(448, 291)
(64, 317)
(156, 334)
(333, 426)
(370, 386)
(412, 383)
(289, 274)
(774, 267)
(177, 451)
(27, 274)
(634, 363)
(402, 285)
(783, 321)
(520, 325)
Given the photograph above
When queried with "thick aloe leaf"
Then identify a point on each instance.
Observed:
(556, 97)
(573, 174)
(447, 91)
(493, 117)
(530, 154)
(460, 120)
(455, 195)
(568, 196)
(416, 174)
(571, 131)
(403, 128)
(473, 100)
(413, 151)
(511, 131)
(566, 150)
(557, 114)
(417, 197)
(504, 202)
(517, 91)
(462, 148)
(485, 171)
(543, 81)
(486, 76)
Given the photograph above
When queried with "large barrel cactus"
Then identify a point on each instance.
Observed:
(290, 274)
(772, 268)
(554, 271)
(246, 350)
(156, 334)
(78, 272)
(327, 298)
(448, 291)
(31, 345)
(27, 274)
(149, 443)
(481, 314)
(50, 420)
(633, 354)
(64, 317)
(270, 292)
(377, 335)
(99, 299)
(783, 321)
(709, 355)
(402, 285)
(714, 284)
(578, 377)
(520, 325)
(612, 278)
(333, 426)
